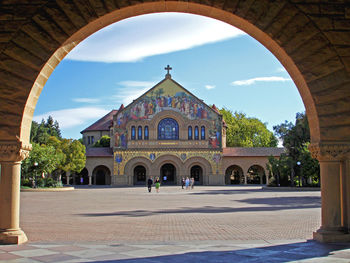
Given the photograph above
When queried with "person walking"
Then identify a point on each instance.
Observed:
(182, 182)
(157, 184)
(187, 183)
(192, 182)
(149, 184)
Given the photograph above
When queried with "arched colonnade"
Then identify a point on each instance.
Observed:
(311, 40)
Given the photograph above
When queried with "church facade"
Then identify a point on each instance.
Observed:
(168, 133)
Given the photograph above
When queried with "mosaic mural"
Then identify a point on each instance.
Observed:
(167, 96)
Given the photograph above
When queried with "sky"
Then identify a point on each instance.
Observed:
(215, 61)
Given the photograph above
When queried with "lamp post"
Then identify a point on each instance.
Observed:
(278, 175)
(299, 165)
(35, 166)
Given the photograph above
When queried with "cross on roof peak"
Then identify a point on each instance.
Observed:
(168, 68)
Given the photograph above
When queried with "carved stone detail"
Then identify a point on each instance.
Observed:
(14, 151)
(330, 151)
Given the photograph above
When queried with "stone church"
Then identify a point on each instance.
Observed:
(168, 133)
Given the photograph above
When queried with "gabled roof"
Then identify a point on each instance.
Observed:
(168, 77)
(253, 151)
(102, 124)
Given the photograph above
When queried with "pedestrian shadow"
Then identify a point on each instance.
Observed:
(275, 253)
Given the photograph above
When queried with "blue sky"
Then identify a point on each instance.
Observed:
(215, 61)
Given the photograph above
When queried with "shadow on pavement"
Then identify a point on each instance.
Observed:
(278, 253)
(283, 204)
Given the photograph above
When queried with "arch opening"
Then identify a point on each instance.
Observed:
(101, 175)
(234, 175)
(197, 174)
(256, 175)
(140, 175)
(168, 174)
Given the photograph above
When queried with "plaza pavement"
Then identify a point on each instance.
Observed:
(206, 224)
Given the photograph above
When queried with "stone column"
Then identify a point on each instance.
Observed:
(11, 155)
(245, 178)
(331, 158)
(90, 179)
(67, 176)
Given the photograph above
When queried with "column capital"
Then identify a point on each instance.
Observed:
(14, 151)
(330, 151)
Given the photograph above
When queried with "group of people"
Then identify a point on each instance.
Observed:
(188, 183)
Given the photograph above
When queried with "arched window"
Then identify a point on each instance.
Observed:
(139, 133)
(133, 133)
(202, 133)
(146, 133)
(190, 132)
(168, 129)
(196, 133)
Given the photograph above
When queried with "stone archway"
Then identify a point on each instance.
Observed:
(101, 175)
(168, 174)
(197, 173)
(310, 40)
(256, 175)
(140, 175)
(234, 175)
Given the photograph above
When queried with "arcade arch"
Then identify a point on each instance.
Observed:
(101, 175)
(256, 175)
(234, 175)
(293, 32)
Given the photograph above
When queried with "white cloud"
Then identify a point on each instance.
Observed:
(86, 100)
(247, 82)
(131, 90)
(68, 118)
(209, 87)
(138, 37)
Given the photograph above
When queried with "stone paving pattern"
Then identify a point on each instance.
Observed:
(206, 224)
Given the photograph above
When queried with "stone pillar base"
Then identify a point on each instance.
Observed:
(16, 237)
(336, 236)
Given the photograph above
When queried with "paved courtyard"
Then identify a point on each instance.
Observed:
(207, 224)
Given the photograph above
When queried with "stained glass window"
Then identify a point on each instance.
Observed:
(190, 132)
(133, 133)
(202, 133)
(196, 133)
(139, 133)
(146, 132)
(168, 129)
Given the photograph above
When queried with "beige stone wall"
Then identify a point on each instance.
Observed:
(93, 162)
(97, 135)
(245, 162)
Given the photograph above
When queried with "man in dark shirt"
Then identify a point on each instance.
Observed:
(149, 184)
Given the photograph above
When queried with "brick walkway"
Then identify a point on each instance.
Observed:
(212, 224)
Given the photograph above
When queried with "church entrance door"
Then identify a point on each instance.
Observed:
(140, 175)
(168, 174)
(197, 174)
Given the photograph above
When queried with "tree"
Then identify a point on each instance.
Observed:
(43, 159)
(105, 141)
(243, 131)
(40, 133)
(296, 138)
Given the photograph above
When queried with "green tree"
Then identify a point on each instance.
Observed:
(243, 131)
(43, 159)
(103, 142)
(40, 133)
(304, 170)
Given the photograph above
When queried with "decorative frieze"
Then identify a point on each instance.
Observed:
(13, 151)
(330, 151)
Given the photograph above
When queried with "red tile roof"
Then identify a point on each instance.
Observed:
(102, 124)
(99, 152)
(253, 151)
